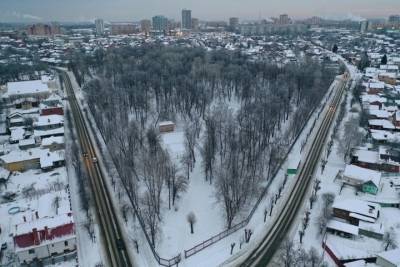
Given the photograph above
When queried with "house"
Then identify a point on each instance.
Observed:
(389, 258)
(342, 229)
(25, 89)
(17, 134)
(365, 158)
(374, 88)
(367, 180)
(49, 122)
(373, 230)
(44, 237)
(35, 158)
(53, 143)
(388, 78)
(372, 100)
(389, 158)
(41, 134)
(51, 106)
(378, 114)
(381, 125)
(355, 210)
(26, 103)
(27, 143)
(166, 126)
(15, 119)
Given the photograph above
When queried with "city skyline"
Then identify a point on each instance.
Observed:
(119, 10)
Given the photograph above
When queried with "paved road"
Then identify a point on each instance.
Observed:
(262, 255)
(111, 233)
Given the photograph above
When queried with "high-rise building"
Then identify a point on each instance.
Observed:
(123, 28)
(284, 19)
(99, 26)
(160, 23)
(233, 23)
(145, 26)
(44, 29)
(394, 19)
(186, 19)
(195, 24)
(364, 26)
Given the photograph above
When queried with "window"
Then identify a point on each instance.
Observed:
(66, 243)
(31, 251)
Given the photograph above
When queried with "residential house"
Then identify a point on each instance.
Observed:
(166, 126)
(366, 180)
(355, 210)
(44, 238)
(20, 90)
(390, 258)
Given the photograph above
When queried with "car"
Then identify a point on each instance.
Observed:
(94, 159)
(120, 244)
(85, 155)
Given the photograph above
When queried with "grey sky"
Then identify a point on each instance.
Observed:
(113, 10)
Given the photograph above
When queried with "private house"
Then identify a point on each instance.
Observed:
(390, 258)
(44, 238)
(51, 106)
(374, 88)
(388, 78)
(35, 158)
(385, 159)
(374, 114)
(49, 122)
(15, 119)
(381, 125)
(342, 229)
(26, 103)
(166, 126)
(27, 144)
(355, 210)
(372, 100)
(53, 143)
(26, 89)
(366, 180)
(41, 134)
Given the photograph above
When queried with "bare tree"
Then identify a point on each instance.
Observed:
(390, 239)
(351, 137)
(191, 218)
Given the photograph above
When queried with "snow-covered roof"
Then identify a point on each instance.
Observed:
(52, 140)
(382, 123)
(361, 174)
(376, 85)
(49, 120)
(41, 223)
(373, 98)
(40, 133)
(379, 113)
(343, 227)
(372, 227)
(365, 155)
(26, 142)
(17, 133)
(354, 205)
(165, 123)
(392, 256)
(26, 87)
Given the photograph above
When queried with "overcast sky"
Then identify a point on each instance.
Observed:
(118, 10)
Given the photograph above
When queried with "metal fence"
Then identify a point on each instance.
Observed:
(161, 261)
(197, 248)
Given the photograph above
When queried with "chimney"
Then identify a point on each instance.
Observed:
(46, 233)
(37, 214)
(35, 234)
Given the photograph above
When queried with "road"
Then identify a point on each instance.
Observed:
(263, 254)
(111, 234)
